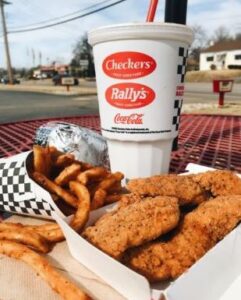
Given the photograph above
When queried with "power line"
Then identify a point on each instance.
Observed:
(60, 17)
(67, 20)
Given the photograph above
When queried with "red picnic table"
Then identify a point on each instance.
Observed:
(208, 140)
(213, 141)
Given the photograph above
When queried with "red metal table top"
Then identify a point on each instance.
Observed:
(213, 141)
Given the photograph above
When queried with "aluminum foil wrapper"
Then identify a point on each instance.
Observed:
(85, 144)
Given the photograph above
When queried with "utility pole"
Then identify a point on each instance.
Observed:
(33, 57)
(40, 58)
(5, 35)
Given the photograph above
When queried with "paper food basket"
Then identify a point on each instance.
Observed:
(207, 279)
(19, 193)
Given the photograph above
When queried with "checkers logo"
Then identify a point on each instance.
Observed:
(128, 65)
(129, 95)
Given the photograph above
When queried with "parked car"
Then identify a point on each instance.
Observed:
(5, 80)
(41, 76)
(57, 79)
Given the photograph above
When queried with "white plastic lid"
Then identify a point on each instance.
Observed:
(145, 30)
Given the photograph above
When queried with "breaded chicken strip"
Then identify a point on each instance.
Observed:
(219, 182)
(127, 199)
(200, 231)
(182, 187)
(189, 189)
(133, 225)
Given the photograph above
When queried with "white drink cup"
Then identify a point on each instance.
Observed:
(140, 70)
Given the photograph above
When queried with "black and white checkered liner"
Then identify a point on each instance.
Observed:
(14, 186)
(177, 113)
(181, 67)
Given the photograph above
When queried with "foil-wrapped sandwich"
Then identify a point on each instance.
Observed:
(85, 144)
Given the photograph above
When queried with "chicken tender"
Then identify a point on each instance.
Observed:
(200, 231)
(219, 182)
(133, 225)
(127, 199)
(182, 187)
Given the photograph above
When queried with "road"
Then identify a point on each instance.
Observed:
(202, 93)
(17, 106)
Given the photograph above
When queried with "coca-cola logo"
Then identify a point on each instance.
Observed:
(128, 65)
(129, 119)
(129, 95)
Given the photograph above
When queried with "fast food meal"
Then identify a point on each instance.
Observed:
(160, 226)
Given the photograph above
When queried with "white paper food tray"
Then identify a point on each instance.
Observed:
(207, 279)
(19, 193)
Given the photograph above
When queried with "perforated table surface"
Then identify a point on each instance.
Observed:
(213, 141)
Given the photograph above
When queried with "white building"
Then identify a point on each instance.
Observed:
(222, 55)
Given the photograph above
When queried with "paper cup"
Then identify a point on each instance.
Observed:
(140, 69)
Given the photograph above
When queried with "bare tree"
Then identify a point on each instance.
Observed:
(238, 36)
(221, 34)
(200, 41)
(200, 37)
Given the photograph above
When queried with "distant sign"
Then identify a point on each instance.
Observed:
(225, 86)
(67, 81)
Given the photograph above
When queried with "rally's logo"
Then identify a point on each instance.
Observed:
(129, 95)
(128, 65)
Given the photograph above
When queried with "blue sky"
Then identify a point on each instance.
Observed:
(57, 43)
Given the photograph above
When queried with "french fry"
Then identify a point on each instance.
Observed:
(66, 289)
(42, 162)
(110, 181)
(5, 226)
(113, 198)
(68, 174)
(54, 188)
(10, 226)
(82, 214)
(52, 232)
(55, 197)
(95, 173)
(103, 187)
(86, 166)
(64, 160)
(84, 180)
(115, 188)
(27, 237)
(98, 199)
(55, 153)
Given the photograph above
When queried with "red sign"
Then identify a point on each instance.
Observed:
(128, 65)
(129, 95)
